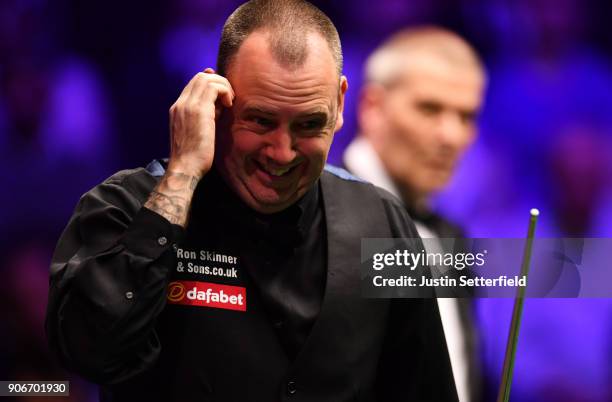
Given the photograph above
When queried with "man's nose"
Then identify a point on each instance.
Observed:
(280, 146)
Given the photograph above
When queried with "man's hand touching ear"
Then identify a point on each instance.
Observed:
(193, 120)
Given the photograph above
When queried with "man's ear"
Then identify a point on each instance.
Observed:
(369, 110)
(341, 93)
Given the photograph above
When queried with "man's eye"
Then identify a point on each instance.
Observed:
(310, 125)
(262, 121)
(429, 108)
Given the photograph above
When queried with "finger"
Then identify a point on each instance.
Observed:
(227, 98)
(215, 95)
(209, 74)
(188, 89)
(218, 92)
(221, 80)
(226, 95)
(205, 82)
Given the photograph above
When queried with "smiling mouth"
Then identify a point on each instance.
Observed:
(276, 171)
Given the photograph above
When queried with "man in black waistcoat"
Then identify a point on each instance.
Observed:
(230, 271)
(417, 112)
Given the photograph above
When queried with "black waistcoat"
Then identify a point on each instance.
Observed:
(232, 353)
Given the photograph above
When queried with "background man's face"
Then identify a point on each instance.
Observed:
(427, 121)
(281, 125)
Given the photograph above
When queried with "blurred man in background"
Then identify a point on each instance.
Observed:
(423, 90)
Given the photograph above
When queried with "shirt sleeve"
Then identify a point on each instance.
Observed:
(108, 284)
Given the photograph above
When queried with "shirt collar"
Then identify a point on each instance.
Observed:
(361, 159)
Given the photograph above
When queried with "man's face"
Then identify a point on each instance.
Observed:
(281, 126)
(426, 121)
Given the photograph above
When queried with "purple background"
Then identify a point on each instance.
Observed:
(85, 89)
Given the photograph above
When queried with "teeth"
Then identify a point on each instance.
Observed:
(274, 171)
(277, 172)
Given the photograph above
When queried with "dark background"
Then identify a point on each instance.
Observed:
(85, 88)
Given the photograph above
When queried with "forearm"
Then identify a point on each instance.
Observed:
(172, 196)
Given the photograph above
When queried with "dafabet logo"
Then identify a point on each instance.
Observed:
(176, 292)
(206, 294)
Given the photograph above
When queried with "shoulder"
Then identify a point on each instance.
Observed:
(125, 187)
(346, 186)
(357, 190)
(339, 173)
(346, 179)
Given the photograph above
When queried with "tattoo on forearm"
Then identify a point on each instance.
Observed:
(171, 198)
(178, 181)
(172, 208)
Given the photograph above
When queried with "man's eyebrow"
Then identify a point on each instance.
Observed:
(257, 110)
(316, 112)
(322, 114)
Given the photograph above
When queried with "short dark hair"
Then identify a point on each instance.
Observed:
(287, 22)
